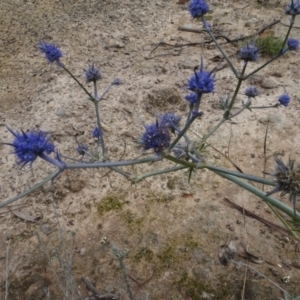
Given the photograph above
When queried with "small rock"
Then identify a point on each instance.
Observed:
(82, 251)
(269, 83)
(286, 262)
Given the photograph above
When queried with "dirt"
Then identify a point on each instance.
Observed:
(173, 229)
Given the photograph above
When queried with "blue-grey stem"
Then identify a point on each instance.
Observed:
(105, 92)
(268, 106)
(238, 174)
(101, 139)
(52, 161)
(113, 164)
(32, 189)
(95, 90)
(81, 85)
(183, 131)
(220, 48)
(197, 106)
(280, 205)
(288, 32)
(245, 106)
(158, 172)
(238, 86)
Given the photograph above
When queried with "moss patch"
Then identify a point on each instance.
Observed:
(108, 203)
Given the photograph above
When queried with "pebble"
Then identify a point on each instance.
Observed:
(269, 83)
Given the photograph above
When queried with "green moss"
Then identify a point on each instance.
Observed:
(167, 257)
(159, 197)
(171, 183)
(108, 203)
(144, 253)
(196, 290)
(132, 220)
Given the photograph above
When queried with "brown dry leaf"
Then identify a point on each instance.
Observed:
(182, 1)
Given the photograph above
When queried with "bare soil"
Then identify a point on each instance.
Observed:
(173, 229)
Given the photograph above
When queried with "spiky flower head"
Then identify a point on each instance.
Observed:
(82, 149)
(203, 81)
(192, 98)
(293, 8)
(284, 100)
(171, 121)
(288, 180)
(97, 133)
(52, 52)
(293, 44)
(92, 74)
(156, 137)
(28, 146)
(249, 53)
(198, 8)
(180, 150)
(252, 92)
(117, 81)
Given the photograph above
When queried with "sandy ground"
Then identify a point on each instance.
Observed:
(173, 230)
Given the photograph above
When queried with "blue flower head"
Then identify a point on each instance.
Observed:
(170, 120)
(203, 81)
(52, 53)
(82, 149)
(198, 8)
(28, 146)
(97, 133)
(92, 74)
(156, 137)
(249, 53)
(252, 92)
(293, 8)
(293, 44)
(192, 98)
(284, 100)
(117, 81)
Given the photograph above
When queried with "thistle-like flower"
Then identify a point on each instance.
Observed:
(203, 81)
(284, 100)
(117, 81)
(192, 98)
(198, 8)
(288, 180)
(28, 146)
(92, 74)
(252, 92)
(52, 52)
(82, 149)
(293, 8)
(249, 53)
(156, 137)
(170, 120)
(97, 133)
(293, 44)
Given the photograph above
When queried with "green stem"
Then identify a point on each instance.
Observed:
(83, 88)
(278, 204)
(238, 174)
(143, 176)
(179, 161)
(35, 187)
(221, 50)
